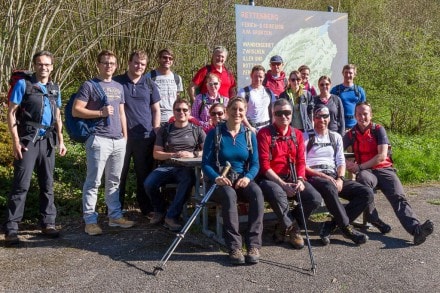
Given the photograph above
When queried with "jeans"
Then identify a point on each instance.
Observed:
(182, 176)
(279, 202)
(42, 156)
(228, 197)
(142, 152)
(358, 196)
(387, 181)
(103, 155)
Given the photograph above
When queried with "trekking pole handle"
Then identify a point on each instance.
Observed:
(226, 169)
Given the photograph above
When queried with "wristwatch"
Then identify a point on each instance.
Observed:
(341, 177)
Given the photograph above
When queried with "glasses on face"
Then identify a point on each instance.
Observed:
(219, 113)
(280, 113)
(325, 116)
(212, 83)
(43, 64)
(324, 84)
(184, 110)
(167, 58)
(110, 64)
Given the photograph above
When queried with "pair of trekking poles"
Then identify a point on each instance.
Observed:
(179, 236)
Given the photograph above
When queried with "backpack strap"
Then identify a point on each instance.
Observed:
(247, 93)
(153, 74)
(312, 138)
(176, 79)
(274, 137)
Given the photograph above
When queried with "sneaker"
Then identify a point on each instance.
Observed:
(236, 257)
(354, 235)
(295, 236)
(93, 229)
(157, 218)
(11, 239)
(253, 256)
(279, 234)
(50, 231)
(172, 225)
(327, 228)
(423, 231)
(121, 222)
(383, 227)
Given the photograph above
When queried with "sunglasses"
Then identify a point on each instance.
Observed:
(220, 113)
(324, 84)
(213, 83)
(184, 110)
(283, 112)
(325, 116)
(295, 79)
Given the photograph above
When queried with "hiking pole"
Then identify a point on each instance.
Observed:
(181, 234)
(309, 246)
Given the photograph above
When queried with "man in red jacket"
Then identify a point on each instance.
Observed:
(275, 79)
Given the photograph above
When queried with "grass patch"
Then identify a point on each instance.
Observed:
(434, 202)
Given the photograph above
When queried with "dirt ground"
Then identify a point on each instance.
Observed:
(123, 260)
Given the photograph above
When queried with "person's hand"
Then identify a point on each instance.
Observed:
(107, 111)
(17, 149)
(222, 181)
(339, 184)
(289, 189)
(183, 154)
(253, 129)
(242, 182)
(352, 167)
(62, 149)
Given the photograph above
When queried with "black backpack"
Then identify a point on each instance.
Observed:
(312, 138)
(274, 137)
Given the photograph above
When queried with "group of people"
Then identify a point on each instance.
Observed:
(281, 138)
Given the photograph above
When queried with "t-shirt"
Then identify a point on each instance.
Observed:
(180, 139)
(258, 104)
(349, 100)
(109, 127)
(138, 100)
(168, 90)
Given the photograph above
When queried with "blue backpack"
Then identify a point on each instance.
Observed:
(80, 129)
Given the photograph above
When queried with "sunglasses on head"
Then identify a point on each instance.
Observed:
(220, 113)
(280, 113)
(184, 110)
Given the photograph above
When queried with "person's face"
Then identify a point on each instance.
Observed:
(276, 67)
(219, 58)
(181, 112)
(217, 114)
(283, 115)
(166, 60)
(349, 75)
(43, 67)
(305, 73)
(237, 112)
(107, 66)
(321, 120)
(294, 81)
(213, 85)
(137, 66)
(363, 115)
(257, 78)
(324, 86)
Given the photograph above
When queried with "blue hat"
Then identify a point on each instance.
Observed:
(276, 59)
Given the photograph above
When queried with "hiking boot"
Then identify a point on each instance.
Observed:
(327, 228)
(279, 234)
(253, 256)
(121, 222)
(11, 239)
(295, 236)
(157, 218)
(383, 227)
(354, 235)
(93, 229)
(172, 225)
(423, 231)
(50, 231)
(236, 257)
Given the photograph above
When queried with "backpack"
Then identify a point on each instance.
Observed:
(312, 142)
(153, 74)
(15, 77)
(205, 102)
(374, 132)
(80, 129)
(167, 130)
(274, 138)
(218, 138)
(247, 93)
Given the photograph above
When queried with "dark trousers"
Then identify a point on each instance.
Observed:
(141, 150)
(358, 196)
(228, 198)
(279, 202)
(184, 177)
(387, 181)
(41, 156)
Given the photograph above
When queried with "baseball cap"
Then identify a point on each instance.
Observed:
(276, 59)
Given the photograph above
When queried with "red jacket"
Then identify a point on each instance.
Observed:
(278, 85)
